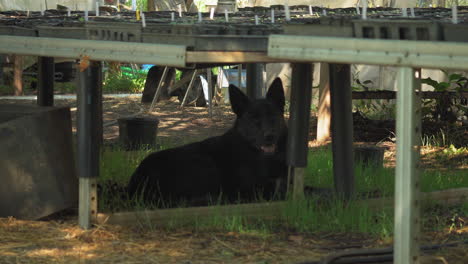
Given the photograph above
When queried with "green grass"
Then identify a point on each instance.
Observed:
(117, 165)
(320, 174)
(310, 215)
(65, 87)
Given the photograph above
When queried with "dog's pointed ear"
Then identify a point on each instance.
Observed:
(239, 101)
(276, 94)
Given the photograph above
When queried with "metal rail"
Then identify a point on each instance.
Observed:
(161, 54)
(416, 54)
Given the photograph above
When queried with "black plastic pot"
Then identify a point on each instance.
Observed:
(138, 132)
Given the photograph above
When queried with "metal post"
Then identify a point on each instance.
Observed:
(46, 76)
(210, 92)
(297, 149)
(407, 205)
(255, 81)
(158, 90)
(189, 88)
(89, 130)
(342, 129)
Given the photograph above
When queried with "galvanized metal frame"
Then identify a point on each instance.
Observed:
(190, 86)
(168, 55)
(407, 194)
(416, 54)
(89, 140)
(406, 55)
(158, 89)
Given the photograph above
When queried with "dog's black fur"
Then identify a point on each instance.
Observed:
(247, 160)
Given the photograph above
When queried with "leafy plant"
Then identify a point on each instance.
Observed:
(455, 82)
(124, 82)
(143, 4)
(374, 109)
(444, 108)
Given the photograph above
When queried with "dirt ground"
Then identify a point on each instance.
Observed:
(60, 240)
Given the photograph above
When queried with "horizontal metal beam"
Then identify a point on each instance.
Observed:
(234, 57)
(417, 54)
(169, 55)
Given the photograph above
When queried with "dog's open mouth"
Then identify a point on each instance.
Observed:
(268, 149)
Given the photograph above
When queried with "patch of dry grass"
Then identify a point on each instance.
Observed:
(64, 242)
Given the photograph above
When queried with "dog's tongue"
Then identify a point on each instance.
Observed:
(268, 148)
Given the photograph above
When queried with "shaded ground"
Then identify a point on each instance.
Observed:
(61, 241)
(64, 242)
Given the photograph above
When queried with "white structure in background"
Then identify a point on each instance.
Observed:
(38, 5)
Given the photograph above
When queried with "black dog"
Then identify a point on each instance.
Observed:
(246, 161)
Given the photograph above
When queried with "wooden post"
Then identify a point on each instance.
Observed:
(255, 81)
(324, 108)
(297, 149)
(89, 130)
(18, 74)
(342, 129)
(407, 192)
(45, 80)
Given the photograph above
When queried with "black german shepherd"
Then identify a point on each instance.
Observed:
(246, 161)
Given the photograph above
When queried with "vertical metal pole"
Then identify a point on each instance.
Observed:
(255, 81)
(158, 90)
(407, 204)
(297, 149)
(342, 129)
(210, 92)
(189, 88)
(46, 76)
(89, 130)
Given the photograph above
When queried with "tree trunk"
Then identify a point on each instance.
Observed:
(18, 74)
(151, 5)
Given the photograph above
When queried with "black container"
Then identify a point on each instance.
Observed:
(138, 132)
